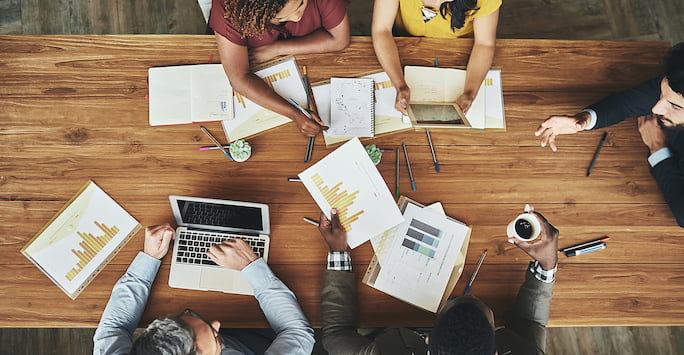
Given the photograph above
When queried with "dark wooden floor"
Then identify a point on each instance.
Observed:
(580, 19)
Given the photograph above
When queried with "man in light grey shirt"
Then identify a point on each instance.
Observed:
(188, 333)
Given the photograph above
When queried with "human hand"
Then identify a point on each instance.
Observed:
(544, 250)
(157, 240)
(262, 54)
(402, 99)
(232, 254)
(332, 232)
(560, 124)
(312, 127)
(464, 102)
(651, 133)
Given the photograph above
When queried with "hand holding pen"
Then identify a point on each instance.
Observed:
(310, 126)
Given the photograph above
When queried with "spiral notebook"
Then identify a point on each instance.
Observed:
(352, 107)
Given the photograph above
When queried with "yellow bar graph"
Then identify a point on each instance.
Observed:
(91, 245)
(338, 199)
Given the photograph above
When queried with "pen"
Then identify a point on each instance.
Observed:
(396, 179)
(585, 244)
(408, 165)
(301, 109)
(432, 149)
(477, 269)
(294, 180)
(214, 147)
(218, 145)
(311, 103)
(311, 221)
(576, 252)
(596, 154)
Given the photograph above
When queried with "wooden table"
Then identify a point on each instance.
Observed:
(73, 108)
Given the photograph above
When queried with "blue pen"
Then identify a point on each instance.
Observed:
(408, 165)
(301, 109)
(211, 137)
(432, 150)
(477, 269)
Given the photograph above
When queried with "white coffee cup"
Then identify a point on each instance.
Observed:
(527, 224)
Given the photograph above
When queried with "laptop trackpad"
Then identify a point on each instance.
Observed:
(217, 279)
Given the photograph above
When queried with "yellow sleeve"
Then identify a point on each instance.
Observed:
(487, 7)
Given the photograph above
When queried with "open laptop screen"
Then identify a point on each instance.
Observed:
(220, 215)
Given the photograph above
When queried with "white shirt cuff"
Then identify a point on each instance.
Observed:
(659, 155)
(592, 122)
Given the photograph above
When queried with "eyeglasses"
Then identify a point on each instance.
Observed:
(213, 331)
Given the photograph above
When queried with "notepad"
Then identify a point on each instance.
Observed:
(352, 107)
(189, 93)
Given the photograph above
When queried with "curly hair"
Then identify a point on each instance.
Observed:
(462, 330)
(252, 17)
(457, 9)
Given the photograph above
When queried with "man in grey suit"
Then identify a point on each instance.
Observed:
(465, 325)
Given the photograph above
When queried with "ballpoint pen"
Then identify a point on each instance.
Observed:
(432, 150)
(215, 141)
(585, 244)
(408, 165)
(474, 275)
(310, 221)
(596, 154)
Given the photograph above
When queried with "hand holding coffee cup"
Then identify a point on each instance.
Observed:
(526, 227)
(543, 250)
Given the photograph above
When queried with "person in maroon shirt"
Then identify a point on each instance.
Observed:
(258, 30)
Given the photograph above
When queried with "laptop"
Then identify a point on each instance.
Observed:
(203, 222)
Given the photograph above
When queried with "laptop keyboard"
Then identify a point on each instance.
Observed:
(193, 245)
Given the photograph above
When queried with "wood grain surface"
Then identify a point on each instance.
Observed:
(73, 108)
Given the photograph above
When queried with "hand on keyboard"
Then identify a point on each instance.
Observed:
(232, 254)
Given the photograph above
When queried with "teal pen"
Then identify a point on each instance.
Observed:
(474, 275)
(408, 165)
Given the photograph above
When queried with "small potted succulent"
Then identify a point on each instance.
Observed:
(240, 150)
(374, 153)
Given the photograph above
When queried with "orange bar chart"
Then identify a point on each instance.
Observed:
(91, 245)
(338, 199)
(383, 84)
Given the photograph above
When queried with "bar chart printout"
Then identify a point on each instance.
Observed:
(250, 118)
(72, 248)
(421, 258)
(348, 181)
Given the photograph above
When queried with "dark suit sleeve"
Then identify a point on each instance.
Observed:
(669, 174)
(530, 312)
(633, 102)
(338, 308)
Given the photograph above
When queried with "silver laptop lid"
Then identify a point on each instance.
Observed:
(228, 216)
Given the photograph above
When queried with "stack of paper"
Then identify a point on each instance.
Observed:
(419, 261)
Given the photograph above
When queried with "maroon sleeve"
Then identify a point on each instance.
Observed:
(332, 12)
(221, 25)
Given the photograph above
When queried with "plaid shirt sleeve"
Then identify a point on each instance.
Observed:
(339, 260)
(547, 276)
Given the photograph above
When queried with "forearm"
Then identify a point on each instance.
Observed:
(480, 62)
(294, 334)
(338, 310)
(125, 307)
(388, 55)
(636, 101)
(319, 41)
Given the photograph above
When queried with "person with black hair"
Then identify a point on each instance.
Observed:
(659, 105)
(188, 333)
(254, 31)
(436, 18)
(464, 326)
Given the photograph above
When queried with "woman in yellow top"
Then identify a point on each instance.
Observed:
(436, 18)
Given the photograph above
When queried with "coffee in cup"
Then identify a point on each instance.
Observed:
(525, 227)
